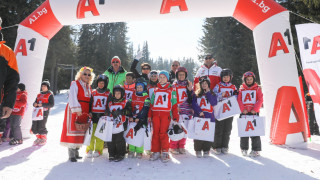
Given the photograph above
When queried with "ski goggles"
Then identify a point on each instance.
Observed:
(102, 76)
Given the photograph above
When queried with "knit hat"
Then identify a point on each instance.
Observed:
(164, 73)
(46, 82)
(21, 86)
(115, 58)
(142, 82)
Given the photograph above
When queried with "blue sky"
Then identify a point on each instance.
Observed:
(171, 39)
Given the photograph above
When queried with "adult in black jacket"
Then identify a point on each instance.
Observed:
(145, 67)
(172, 76)
(9, 79)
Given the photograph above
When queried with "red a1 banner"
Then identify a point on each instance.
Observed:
(309, 45)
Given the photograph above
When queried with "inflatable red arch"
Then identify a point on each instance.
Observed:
(268, 20)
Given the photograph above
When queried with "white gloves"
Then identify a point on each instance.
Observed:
(139, 55)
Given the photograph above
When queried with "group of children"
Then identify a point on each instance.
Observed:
(158, 102)
(44, 99)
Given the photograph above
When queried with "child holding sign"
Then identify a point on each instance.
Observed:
(184, 97)
(98, 102)
(223, 128)
(140, 104)
(163, 103)
(250, 100)
(118, 108)
(202, 102)
(44, 99)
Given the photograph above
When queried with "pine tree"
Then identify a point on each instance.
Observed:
(14, 12)
(191, 66)
(61, 50)
(99, 43)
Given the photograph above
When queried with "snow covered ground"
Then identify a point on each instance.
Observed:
(51, 161)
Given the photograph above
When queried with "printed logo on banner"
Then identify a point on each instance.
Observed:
(22, 46)
(315, 44)
(167, 4)
(82, 8)
(262, 5)
(278, 43)
(287, 100)
(253, 12)
(38, 14)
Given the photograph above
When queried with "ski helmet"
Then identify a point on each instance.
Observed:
(248, 74)
(203, 79)
(226, 72)
(176, 132)
(143, 82)
(120, 89)
(46, 82)
(104, 78)
(181, 69)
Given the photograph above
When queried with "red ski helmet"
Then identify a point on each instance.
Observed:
(248, 74)
(203, 79)
(181, 69)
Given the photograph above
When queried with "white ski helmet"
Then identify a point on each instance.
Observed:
(176, 132)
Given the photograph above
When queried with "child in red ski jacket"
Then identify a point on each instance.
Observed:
(250, 100)
(163, 102)
(17, 115)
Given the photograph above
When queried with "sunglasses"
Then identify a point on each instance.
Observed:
(145, 68)
(207, 58)
(115, 62)
(85, 74)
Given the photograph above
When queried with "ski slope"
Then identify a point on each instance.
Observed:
(51, 161)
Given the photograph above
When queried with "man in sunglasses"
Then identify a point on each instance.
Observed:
(172, 76)
(145, 67)
(209, 69)
(116, 73)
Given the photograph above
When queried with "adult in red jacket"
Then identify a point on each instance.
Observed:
(210, 69)
(17, 115)
(77, 108)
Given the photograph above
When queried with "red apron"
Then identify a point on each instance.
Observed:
(71, 137)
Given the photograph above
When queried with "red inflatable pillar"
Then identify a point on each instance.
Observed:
(287, 99)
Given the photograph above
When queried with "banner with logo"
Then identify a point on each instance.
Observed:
(309, 46)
